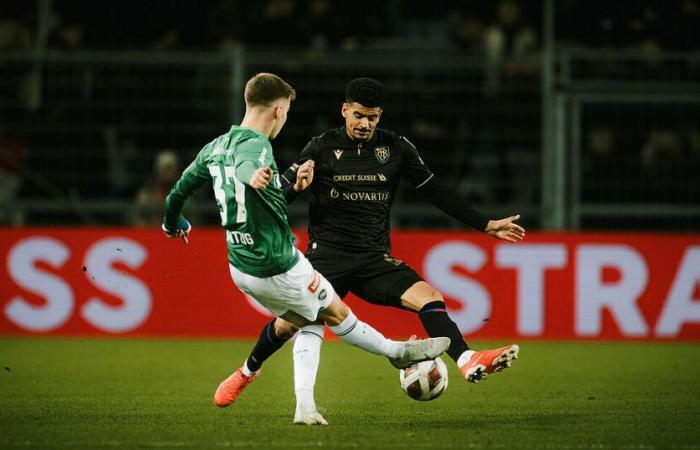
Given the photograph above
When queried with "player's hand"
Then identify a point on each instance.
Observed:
(261, 178)
(181, 231)
(506, 229)
(305, 175)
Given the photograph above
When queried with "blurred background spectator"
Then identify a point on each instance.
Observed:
(148, 204)
(12, 154)
(92, 93)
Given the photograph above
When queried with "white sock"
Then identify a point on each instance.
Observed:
(357, 333)
(307, 352)
(246, 371)
(464, 357)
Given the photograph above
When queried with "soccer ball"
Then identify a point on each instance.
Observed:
(424, 381)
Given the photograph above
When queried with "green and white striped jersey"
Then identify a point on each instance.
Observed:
(258, 237)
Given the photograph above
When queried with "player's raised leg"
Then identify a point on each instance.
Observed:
(485, 362)
(432, 312)
(344, 324)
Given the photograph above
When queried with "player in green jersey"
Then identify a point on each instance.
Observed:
(262, 258)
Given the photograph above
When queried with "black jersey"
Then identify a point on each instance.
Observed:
(354, 186)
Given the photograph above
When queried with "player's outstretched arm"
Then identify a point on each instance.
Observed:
(192, 178)
(506, 229)
(444, 197)
(447, 200)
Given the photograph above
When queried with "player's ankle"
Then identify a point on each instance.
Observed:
(305, 402)
(245, 369)
(396, 349)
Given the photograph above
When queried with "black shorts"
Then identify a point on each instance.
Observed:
(375, 277)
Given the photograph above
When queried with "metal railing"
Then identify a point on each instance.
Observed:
(81, 129)
(92, 122)
(629, 127)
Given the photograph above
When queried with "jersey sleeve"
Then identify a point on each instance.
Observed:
(289, 177)
(437, 192)
(443, 196)
(192, 178)
(413, 168)
(249, 157)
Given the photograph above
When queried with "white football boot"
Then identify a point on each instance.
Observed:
(309, 417)
(420, 350)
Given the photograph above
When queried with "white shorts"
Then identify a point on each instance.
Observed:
(301, 289)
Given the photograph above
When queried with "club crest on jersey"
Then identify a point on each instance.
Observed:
(382, 154)
(338, 153)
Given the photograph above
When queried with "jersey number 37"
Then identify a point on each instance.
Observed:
(227, 186)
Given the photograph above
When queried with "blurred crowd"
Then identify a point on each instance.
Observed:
(94, 131)
(641, 24)
(469, 25)
(656, 160)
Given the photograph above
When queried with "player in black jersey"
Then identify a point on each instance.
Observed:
(353, 173)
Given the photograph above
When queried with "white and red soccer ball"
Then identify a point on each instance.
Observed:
(424, 381)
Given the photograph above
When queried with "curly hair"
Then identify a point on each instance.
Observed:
(366, 91)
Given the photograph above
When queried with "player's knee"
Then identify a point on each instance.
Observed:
(336, 313)
(284, 329)
(420, 294)
(435, 296)
(428, 295)
(287, 333)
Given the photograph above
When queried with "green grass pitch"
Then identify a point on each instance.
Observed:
(80, 394)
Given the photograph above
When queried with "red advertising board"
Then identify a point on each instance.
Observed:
(106, 282)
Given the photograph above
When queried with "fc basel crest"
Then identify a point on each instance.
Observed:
(382, 154)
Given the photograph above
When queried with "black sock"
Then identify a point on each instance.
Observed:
(437, 323)
(268, 343)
